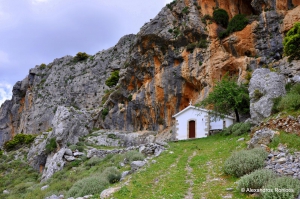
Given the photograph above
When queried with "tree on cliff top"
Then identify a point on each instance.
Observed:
(291, 42)
(228, 96)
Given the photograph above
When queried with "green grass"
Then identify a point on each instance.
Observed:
(167, 178)
(291, 140)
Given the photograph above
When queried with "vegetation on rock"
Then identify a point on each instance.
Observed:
(113, 79)
(221, 17)
(289, 102)
(237, 23)
(291, 42)
(81, 56)
(18, 141)
(228, 96)
(51, 146)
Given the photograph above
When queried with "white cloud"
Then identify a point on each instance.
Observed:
(5, 92)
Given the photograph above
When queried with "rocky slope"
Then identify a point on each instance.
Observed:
(159, 76)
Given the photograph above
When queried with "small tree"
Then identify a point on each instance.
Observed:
(291, 42)
(228, 96)
(221, 17)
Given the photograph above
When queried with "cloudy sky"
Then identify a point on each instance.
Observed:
(38, 31)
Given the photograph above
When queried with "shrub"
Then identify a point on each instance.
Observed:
(291, 42)
(81, 56)
(42, 66)
(113, 79)
(202, 43)
(185, 10)
(244, 162)
(87, 186)
(237, 129)
(221, 17)
(280, 184)
(134, 156)
(112, 174)
(290, 102)
(237, 23)
(51, 146)
(190, 47)
(104, 113)
(256, 180)
(206, 17)
(93, 161)
(129, 98)
(257, 94)
(18, 141)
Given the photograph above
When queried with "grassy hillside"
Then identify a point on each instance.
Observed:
(187, 168)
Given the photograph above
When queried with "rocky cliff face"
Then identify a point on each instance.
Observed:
(161, 68)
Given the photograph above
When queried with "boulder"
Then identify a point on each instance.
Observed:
(69, 158)
(108, 192)
(261, 137)
(263, 88)
(54, 163)
(78, 154)
(68, 152)
(124, 174)
(44, 187)
(5, 192)
(135, 165)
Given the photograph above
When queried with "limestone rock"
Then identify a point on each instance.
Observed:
(5, 192)
(55, 197)
(108, 192)
(44, 187)
(264, 86)
(135, 165)
(54, 163)
(68, 152)
(69, 158)
(263, 136)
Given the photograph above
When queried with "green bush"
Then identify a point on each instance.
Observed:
(257, 95)
(42, 66)
(18, 141)
(276, 101)
(51, 146)
(290, 102)
(256, 180)
(185, 10)
(237, 129)
(87, 186)
(81, 56)
(280, 184)
(113, 79)
(190, 47)
(221, 17)
(134, 156)
(244, 162)
(93, 161)
(237, 23)
(105, 112)
(112, 174)
(291, 42)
